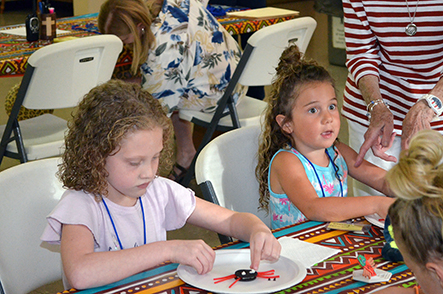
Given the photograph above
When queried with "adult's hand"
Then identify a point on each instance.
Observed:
(379, 136)
(418, 118)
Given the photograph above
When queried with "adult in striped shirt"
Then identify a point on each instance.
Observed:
(394, 57)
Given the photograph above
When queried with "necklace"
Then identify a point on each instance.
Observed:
(115, 229)
(411, 29)
(318, 178)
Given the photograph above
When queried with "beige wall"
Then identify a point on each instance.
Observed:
(86, 6)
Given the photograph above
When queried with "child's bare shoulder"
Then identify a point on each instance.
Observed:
(286, 160)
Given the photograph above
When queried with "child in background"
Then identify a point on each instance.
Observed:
(185, 56)
(301, 163)
(417, 214)
(112, 221)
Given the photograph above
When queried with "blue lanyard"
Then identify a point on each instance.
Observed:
(115, 229)
(316, 174)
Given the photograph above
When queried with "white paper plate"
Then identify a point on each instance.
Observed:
(227, 261)
(375, 220)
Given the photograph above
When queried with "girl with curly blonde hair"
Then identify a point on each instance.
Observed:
(417, 215)
(112, 221)
(301, 163)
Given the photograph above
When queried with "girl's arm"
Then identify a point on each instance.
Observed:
(367, 173)
(85, 268)
(243, 226)
(288, 176)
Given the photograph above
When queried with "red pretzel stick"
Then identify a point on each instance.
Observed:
(222, 279)
(235, 282)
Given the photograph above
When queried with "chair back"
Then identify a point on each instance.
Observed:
(256, 67)
(269, 43)
(225, 170)
(56, 76)
(29, 192)
(64, 72)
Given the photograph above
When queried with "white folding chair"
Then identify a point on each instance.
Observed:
(225, 172)
(29, 192)
(57, 76)
(255, 68)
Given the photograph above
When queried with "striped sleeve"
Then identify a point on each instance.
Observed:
(376, 44)
(362, 47)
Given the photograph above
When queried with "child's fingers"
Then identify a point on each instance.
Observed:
(195, 253)
(206, 259)
(267, 249)
(271, 251)
(255, 257)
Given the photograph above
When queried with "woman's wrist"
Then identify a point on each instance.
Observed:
(373, 103)
(433, 102)
(422, 107)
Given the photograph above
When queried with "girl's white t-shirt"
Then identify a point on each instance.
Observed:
(166, 204)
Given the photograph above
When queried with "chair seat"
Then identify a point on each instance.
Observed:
(43, 136)
(249, 112)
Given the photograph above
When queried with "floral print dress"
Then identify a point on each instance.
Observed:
(193, 59)
(323, 179)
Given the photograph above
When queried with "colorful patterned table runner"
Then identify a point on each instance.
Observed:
(333, 276)
(15, 50)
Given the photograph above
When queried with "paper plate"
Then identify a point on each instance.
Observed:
(376, 220)
(227, 261)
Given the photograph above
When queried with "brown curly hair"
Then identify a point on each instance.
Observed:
(293, 73)
(103, 119)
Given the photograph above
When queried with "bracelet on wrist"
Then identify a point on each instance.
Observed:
(372, 104)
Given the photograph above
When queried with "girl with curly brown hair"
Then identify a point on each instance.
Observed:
(301, 162)
(112, 221)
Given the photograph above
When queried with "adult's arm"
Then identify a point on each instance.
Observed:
(419, 116)
(362, 50)
(380, 135)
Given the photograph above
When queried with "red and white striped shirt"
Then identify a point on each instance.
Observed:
(407, 66)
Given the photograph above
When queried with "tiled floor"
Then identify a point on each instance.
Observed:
(318, 50)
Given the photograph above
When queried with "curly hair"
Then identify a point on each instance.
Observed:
(293, 73)
(104, 117)
(417, 181)
(121, 17)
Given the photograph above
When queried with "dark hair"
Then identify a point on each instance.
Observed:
(293, 72)
(104, 117)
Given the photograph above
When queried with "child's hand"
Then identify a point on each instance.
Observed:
(195, 253)
(263, 246)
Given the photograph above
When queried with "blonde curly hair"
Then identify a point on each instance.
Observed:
(417, 181)
(293, 73)
(104, 117)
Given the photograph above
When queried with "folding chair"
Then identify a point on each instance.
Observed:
(225, 172)
(255, 68)
(57, 76)
(29, 193)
